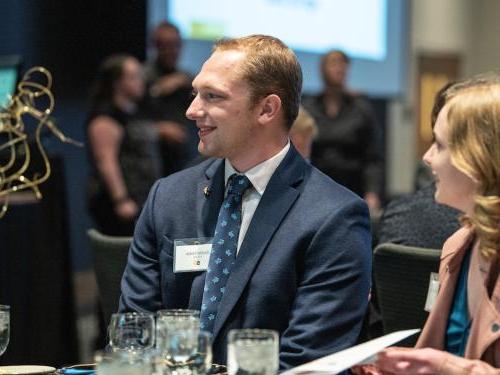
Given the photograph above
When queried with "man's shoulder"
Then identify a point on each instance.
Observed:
(323, 190)
(418, 205)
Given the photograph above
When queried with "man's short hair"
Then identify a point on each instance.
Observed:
(165, 25)
(339, 53)
(270, 67)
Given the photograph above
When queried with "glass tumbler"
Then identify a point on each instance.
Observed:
(187, 352)
(253, 351)
(132, 331)
(171, 320)
(123, 363)
(4, 327)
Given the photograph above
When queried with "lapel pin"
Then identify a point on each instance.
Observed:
(206, 191)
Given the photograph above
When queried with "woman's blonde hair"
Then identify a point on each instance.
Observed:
(474, 141)
(305, 124)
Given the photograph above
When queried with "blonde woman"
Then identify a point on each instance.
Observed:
(462, 333)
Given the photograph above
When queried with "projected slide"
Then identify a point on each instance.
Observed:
(356, 26)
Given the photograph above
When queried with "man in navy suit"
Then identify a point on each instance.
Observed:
(303, 259)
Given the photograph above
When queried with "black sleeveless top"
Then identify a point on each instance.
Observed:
(138, 155)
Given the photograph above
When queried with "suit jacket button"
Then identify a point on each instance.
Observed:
(495, 327)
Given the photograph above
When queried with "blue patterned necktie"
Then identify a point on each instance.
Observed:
(224, 247)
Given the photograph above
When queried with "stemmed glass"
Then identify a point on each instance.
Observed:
(4, 327)
(132, 331)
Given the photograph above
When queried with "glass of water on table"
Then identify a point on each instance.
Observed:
(183, 348)
(187, 353)
(132, 331)
(4, 327)
(253, 351)
(124, 363)
(170, 320)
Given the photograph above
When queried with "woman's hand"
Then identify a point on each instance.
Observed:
(126, 209)
(404, 361)
(171, 131)
(413, 361)
(430, 361)
(169, 83)
(366, 370)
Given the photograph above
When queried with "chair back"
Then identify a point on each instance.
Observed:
(110, 257)
(402, 275)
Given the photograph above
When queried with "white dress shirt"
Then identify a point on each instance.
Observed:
(259, 176)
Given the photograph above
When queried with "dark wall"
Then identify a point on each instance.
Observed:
(71, 38)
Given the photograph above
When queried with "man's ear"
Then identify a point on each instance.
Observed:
(269, 108)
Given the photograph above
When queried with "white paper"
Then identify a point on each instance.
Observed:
(360, 354)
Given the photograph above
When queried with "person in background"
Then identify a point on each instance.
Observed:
(291, 248)
(123, 147)
(348, 146)
(303, 132)
(413, 220)
(462, 332)
(167, 99)
(417, 219)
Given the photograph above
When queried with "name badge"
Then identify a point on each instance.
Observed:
(432, 291)
(192, 254)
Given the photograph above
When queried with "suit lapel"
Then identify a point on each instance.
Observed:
(210, 194)
(279, 196)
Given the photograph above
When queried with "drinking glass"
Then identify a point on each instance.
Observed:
(253, 351)
(123, 363)
(188, 352)
(171, 320)
(4, 327)
(132, 331)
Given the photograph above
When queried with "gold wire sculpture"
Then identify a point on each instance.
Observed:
(33, 101)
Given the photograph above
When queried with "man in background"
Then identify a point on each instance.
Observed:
(169, 95)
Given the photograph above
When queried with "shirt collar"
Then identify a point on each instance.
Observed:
(259, 175)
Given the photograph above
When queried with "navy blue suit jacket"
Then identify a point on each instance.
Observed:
(303, 268)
